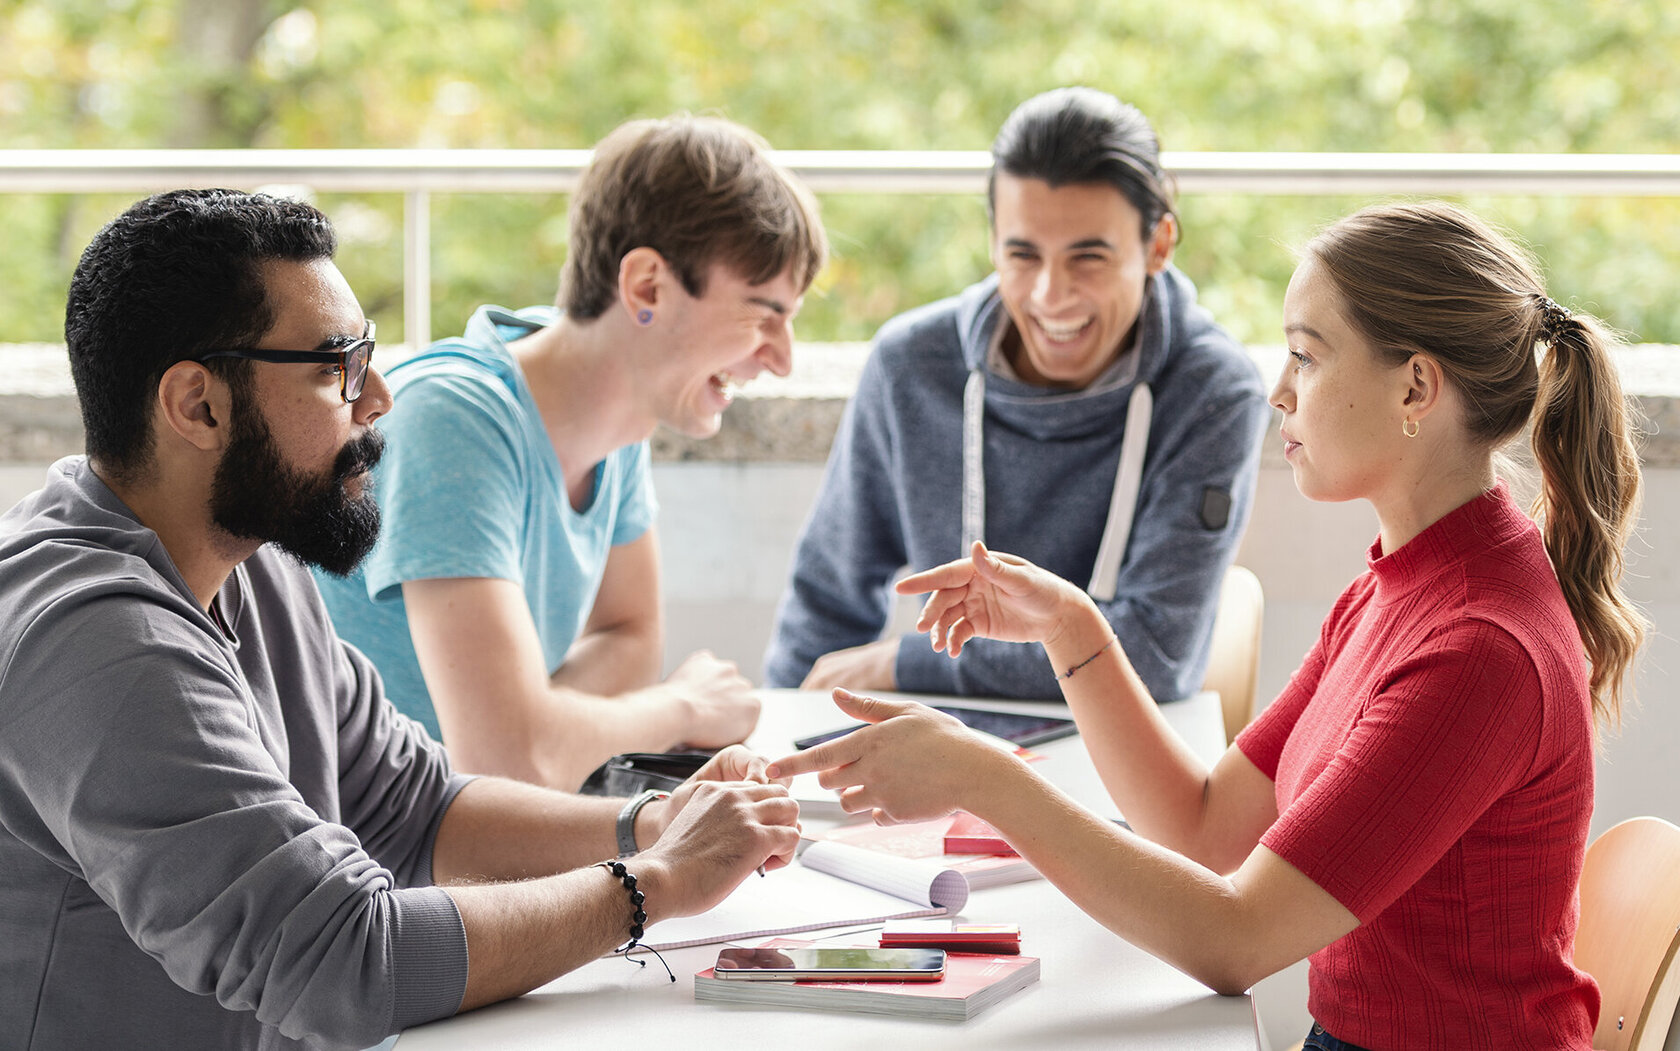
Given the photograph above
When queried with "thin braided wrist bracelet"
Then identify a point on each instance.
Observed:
(638, 915)
(1069, 673)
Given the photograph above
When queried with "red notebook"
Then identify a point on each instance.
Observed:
(1003, 939)
(968, 834)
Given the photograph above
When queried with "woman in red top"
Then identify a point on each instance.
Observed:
(1412, 812)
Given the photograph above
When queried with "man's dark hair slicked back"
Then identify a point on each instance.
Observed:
(1075, 136)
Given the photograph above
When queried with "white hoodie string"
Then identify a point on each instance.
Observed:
(1128, 477)
(974, 474)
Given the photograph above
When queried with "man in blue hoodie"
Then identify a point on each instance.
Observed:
(1076, 408)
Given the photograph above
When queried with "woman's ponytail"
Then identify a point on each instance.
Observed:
(1589, 494)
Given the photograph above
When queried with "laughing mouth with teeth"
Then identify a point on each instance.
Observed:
(726, 385)
(1062, 333)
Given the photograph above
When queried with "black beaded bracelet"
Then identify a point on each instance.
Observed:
(638, 915)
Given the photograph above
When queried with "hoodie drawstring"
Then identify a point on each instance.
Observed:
(1128, 478)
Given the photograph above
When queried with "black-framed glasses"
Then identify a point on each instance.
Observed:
(352, 360)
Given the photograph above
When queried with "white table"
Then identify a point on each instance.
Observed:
(1096, 990)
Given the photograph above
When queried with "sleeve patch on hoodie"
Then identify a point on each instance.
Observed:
(1216, 508)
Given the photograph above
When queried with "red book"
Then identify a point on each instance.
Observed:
(1003, 939)
(968, 834)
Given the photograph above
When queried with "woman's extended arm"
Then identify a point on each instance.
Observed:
(1169, 795)
(1226, 931)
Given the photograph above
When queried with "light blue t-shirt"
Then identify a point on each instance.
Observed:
(470, 487)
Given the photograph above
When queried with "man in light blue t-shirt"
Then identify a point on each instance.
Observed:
(512, 602)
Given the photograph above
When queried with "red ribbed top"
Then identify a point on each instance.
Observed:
(1433, 757)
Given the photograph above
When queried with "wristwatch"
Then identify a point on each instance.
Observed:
(627, 820)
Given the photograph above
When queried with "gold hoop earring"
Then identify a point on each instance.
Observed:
(1413, 432)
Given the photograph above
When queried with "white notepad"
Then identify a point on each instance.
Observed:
(831, 885)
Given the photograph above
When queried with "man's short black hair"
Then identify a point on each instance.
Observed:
(1073, 136)
(175, 276)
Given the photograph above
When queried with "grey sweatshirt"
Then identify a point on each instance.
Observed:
(892, 494)
(204, 842)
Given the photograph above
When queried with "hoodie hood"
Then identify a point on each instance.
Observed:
(75, 510)
(75, 506)
(1045, 414)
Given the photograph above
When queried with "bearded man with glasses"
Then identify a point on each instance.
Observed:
(214, 829)
(256, 494)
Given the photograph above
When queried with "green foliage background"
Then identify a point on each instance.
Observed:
(1378, 75)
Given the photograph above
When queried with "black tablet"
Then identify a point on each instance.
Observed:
(1024, 730)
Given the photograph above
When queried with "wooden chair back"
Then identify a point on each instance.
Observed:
(1234, 666)
(1630, 931)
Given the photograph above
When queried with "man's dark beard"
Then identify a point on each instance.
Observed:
(256, 495)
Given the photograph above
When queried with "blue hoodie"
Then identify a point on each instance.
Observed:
(892, 494)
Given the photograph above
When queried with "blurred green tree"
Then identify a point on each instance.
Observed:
(1402, 75)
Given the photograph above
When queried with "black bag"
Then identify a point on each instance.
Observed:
(635, 772)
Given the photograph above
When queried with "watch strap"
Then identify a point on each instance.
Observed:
(627, 820)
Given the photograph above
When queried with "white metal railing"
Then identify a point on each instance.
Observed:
(418, 173)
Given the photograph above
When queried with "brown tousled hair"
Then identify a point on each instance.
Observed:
(698, 190)
(1429, 277)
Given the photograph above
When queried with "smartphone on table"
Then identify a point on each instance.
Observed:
(831, 965)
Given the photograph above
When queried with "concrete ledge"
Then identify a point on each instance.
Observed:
(779, 420)
(774, 420)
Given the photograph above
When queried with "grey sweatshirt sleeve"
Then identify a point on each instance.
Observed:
(1169, 581)
(138, 760)
(850, 547)
(394, 780)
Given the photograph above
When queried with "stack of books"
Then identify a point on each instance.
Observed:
(972, 983)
